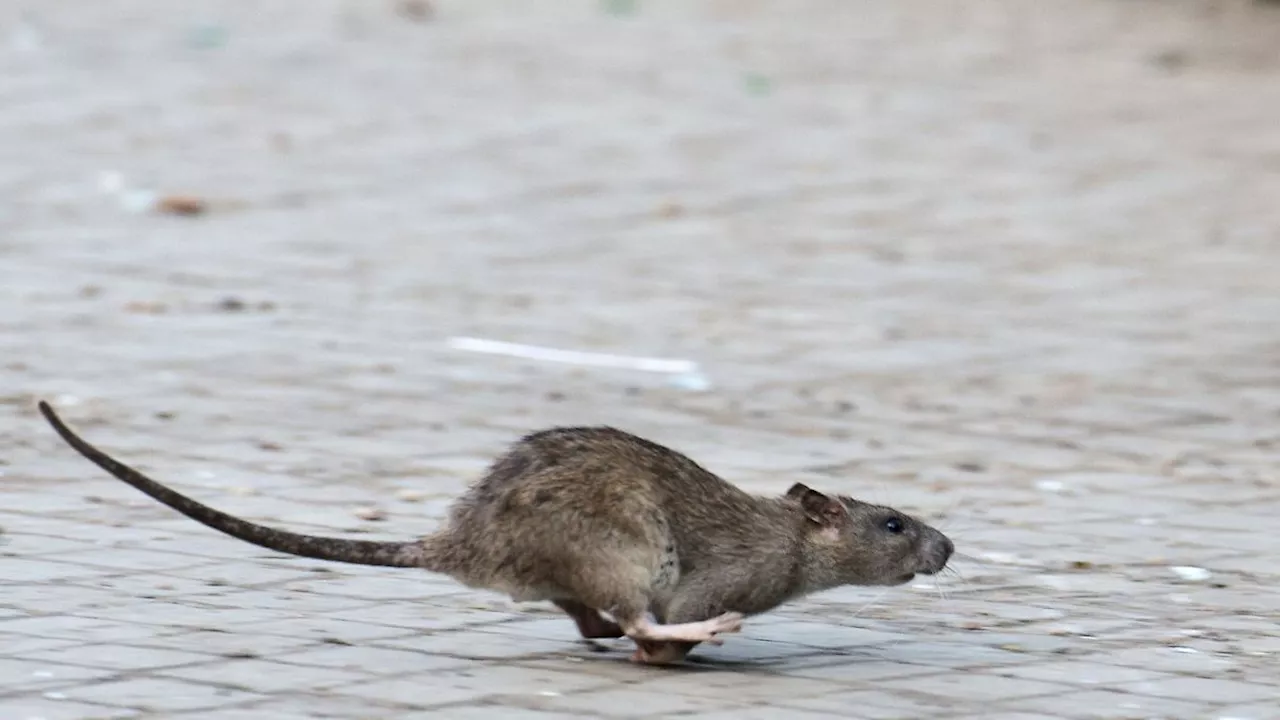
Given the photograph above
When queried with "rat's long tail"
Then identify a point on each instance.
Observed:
(358, 552)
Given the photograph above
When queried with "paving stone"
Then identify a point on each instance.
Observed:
(479, 713)
(480, 645)
(857, 670)
(22, 675)
(874, 704)
(275, 711)
(319, 628)
(16, 645)
(628, 701)
(73, 628)
(473, 684)
(764, 713)
(313, 704)
(227, 643)
(1170, 659)
(47, 709)
(264, 676)
(973, 686)
(119, 657)
(161, 695)
(1250, 711)
(1108, 704)
(1209, 690)
(47, 572)
(372, 660)
(734, 687)
(1081, 672)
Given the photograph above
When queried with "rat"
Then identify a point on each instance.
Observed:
(597, 520)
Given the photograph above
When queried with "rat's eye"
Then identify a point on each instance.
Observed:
(893, 525)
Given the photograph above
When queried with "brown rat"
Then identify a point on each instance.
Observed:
(598, 520)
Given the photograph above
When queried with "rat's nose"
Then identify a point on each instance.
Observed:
(939, 552)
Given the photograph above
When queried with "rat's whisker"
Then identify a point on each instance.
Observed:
(973, 559)
(869, 603)
(952, 572)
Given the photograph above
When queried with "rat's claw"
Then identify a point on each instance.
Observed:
(727, 623)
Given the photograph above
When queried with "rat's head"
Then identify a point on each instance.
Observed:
(850, 542)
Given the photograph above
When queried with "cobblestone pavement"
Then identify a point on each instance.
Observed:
(1011, 266)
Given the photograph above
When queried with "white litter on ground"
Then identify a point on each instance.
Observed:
(1187, 572)
(688, 375)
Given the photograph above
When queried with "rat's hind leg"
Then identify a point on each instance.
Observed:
(591, 624)
(694, 600)
(623, 589)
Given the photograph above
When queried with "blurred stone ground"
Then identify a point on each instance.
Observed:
(1009, 265)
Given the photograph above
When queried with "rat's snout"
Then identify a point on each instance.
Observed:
(936, 552)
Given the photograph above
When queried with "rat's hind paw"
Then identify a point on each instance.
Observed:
(727, 623)
(701, 631)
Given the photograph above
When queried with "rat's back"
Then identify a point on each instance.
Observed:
(598, 463)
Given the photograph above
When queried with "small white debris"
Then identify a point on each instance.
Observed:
(575, 357)
(241, 491)
(370, 513)
(1056, 582)
(27, 37)
(138, 201)
(1146, 521)
(1191, 574)
(42, 674)
(1184, 650)
(410, 495)
(132, 199)
(1052, 486)
(55, 696)
(68, 400)
(548, 693)
(1006, 558)
(111, 182)
(694, 381)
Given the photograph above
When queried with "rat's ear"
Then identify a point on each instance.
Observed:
(817, 507)
(798, 491)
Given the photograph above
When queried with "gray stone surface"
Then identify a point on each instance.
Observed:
(1012, 266)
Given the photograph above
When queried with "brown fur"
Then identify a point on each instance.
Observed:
(596, 519)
